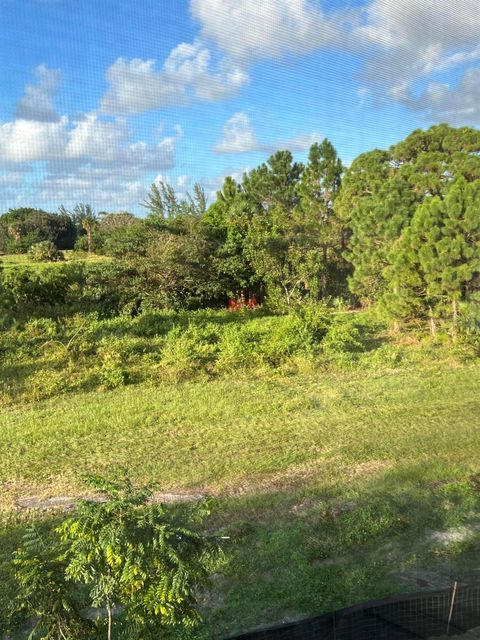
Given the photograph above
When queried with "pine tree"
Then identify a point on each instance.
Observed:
(317, 191)
(436, 264)
(382, 191)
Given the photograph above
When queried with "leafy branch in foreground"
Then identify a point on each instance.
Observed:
(140, 563)
(43, 595)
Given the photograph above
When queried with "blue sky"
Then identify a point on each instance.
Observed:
(101, 98)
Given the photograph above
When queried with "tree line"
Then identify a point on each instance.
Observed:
(399, 229)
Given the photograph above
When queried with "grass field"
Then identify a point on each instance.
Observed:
(13, 261)
(334, 487)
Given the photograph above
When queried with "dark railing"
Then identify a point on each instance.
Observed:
(450, 613)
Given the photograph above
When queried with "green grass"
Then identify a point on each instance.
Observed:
(331, 475)
(327, 484)
(228, 431)
(13, 261)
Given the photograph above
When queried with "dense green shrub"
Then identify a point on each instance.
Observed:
(113, 357)
(342, 337)
(142, 566)
(468, 327)
(45, 251)
(40, 328)
(186, 351)
(239, 348)
(89, 351)
(29, 289)
(45, 384)
(20, 228)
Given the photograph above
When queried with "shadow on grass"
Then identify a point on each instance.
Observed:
(323, 544)
(315, 550)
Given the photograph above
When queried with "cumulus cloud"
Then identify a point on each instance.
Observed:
(114, 179)
(37, 103)
(191, 65)
(254, 29)
(409, 42)
(91, 159)
(189, 70)
(443, 102)
(239, 137)
(403, 44)
(28, 141)
(182, 182)
(90, 139)
(11, 179)
(136, 86)
(422, 25)
(119, 189)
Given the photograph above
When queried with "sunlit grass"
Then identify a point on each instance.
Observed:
(13, 261)
(330, 482)
(223, 433)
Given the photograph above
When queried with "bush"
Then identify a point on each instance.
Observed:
(239, 348)
(141, 565)
(113, 372)
(45, 384)
(343, 342)
(45, 251)
(468, 329)
(386, 356)
(187, 350)
(30, 289)
(40, 328)
(316, 318)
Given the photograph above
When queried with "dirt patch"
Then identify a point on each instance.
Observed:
(459, 534)
(370, 468)
(291, 478)
(67, 503)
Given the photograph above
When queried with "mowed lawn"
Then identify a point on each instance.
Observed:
(237, 435)
(13, 261)
(332, 489)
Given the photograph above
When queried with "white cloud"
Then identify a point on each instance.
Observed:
(96, 139)
(402, 43)
(29, 141)
(254, 29)
(136, 85)
(403, 24)
(102, 188)
(91, 139)
(182, 182)
(191, 66)
(443, 102)
(11, 179)
(92, 159)
(178, 130)
(409, 41)
(37, 103)
(239, 137)
(113, 178)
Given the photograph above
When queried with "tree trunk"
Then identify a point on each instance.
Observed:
(109, 613)
(89, 240)
(431, 323)
(324, 278)
(454, 318)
